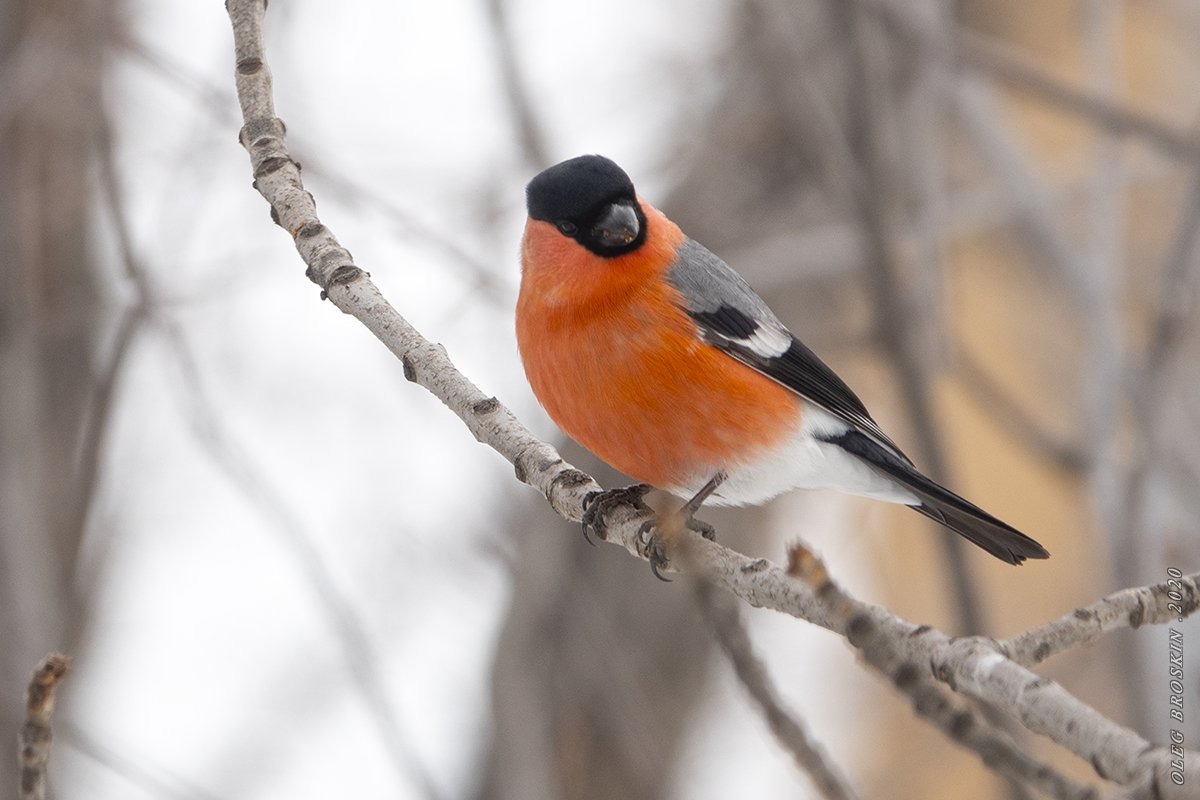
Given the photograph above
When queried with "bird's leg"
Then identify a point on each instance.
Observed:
(597, 506)
(656, 536)
(692, 506)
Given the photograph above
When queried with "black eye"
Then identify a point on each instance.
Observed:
(566, 228)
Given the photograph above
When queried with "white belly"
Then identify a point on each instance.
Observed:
(801, 462)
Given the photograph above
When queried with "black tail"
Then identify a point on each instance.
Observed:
(942, 505)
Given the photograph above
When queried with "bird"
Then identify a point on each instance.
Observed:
(654, 354)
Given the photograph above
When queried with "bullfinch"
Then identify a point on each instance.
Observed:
(654, 354)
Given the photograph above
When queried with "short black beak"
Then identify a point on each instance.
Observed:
(618, 227)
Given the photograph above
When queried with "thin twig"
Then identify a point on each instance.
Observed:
(1176, 296)
(36, 735)
(724, 619)
(1103, 395)
(1130, 608)
(1102, 391)
(1147, 377)
(483, 277)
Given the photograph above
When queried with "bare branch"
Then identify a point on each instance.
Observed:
(974, 666)
(1131, 608)
(725, 621)
(932, 700)
(35, 733)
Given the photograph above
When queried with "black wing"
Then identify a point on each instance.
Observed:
(736, 321)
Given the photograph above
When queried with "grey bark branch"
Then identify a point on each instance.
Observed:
(972, 666)
(930, 699)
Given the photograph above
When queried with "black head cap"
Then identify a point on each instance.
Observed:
(580, 195)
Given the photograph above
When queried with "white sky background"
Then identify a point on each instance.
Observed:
(214, 670)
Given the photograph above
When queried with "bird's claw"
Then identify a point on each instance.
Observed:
(654, 549)
(598, 505)
(653, 535)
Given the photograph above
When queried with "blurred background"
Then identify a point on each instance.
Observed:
(283, 571)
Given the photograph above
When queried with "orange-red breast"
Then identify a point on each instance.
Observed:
(651, 352)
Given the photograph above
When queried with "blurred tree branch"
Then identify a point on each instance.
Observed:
(875, 201)
(359, 652)
(724, 618)
(1019, 422)
(530, 134)
(155, 779)
(985, 55)
(852, 168)
(971, 666)
(53, 60)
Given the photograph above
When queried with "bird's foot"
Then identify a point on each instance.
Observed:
(598, 505)
(657, 536)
